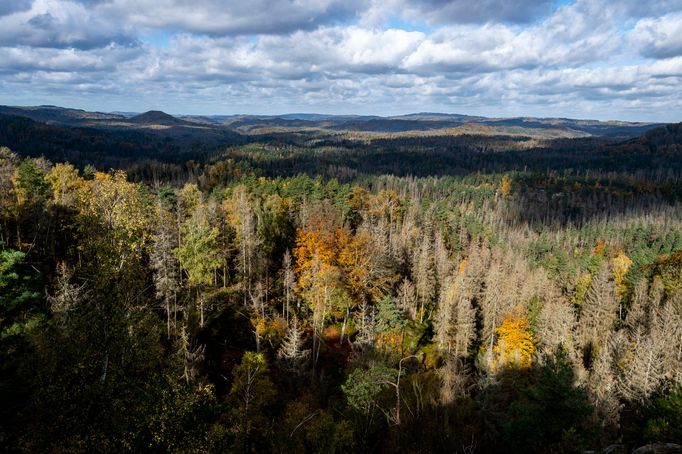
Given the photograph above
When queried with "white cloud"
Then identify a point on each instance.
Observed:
(480, 11)
(232, 16)
(61, 24)
(590, 56)
(659, 37)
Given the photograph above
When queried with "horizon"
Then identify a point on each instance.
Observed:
(281, 114)
(578, 59)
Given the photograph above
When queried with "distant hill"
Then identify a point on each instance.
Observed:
(667, 137)
(110, 147)
(62, 116)
(664, 140)
(436, 123)
(395, 125)
(430, 123)
(613, 129)
(313, 116)
(276, 122)
(156, 117)
(288, 146)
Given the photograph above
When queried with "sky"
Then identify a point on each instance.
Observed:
(600, 59)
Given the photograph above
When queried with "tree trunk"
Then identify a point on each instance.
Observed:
(167, 318)
(345, 322)
(201, 310)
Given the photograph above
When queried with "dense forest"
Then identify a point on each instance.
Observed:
(285, 293)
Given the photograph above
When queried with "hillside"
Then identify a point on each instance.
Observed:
(666, 139)
(156, 117)
(294, 146)
(62, 116)
(298, 294)
(357, 126)
(108, 146)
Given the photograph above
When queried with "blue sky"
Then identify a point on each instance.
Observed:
(571, 58)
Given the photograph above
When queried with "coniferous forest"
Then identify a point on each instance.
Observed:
(284, 294)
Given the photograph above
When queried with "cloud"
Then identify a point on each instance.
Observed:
(62, 24)
(90, 64)
(659, 37)
(97, 23)
(233, 17)
(671, 67)
(574, 35)
(329, 53)
(584, 58)
(651, 8)
(481, 11)
(14, 6)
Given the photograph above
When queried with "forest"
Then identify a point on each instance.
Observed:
(286, 293)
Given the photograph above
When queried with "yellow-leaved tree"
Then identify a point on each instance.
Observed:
(621, 266)
(505, 186)
(114, 217)
(514, 347)
(65, 182)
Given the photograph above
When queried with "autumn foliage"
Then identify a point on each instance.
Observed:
(514, 347)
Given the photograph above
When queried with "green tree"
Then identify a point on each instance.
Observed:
(664, 421)
(19, 296)
(552, 414)
(390, 318)
(250, 395)
(305, 429)
(198, 254)
(20, 313)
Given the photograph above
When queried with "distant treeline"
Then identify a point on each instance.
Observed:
(178, 152)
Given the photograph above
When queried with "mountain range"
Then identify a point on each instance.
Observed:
(428, 123)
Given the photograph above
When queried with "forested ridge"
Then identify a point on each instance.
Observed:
(445, 294)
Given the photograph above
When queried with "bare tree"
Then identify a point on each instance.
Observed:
(289, 283)
(190, 355)
(442, 260)
(640, 307)
(645, 366)
(291, 351)
(667, 330)
(66, 296)
(465, 325)
(445, 314)
(366, 325)
(406, 299)
(424, 273)
(598, 314)
(245, 222)
(165, 265)
(455, 379)
(603, 382)
(496, 300)
(258, 309)
(556, 322)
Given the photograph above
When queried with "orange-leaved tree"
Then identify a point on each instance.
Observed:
(318, 275)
